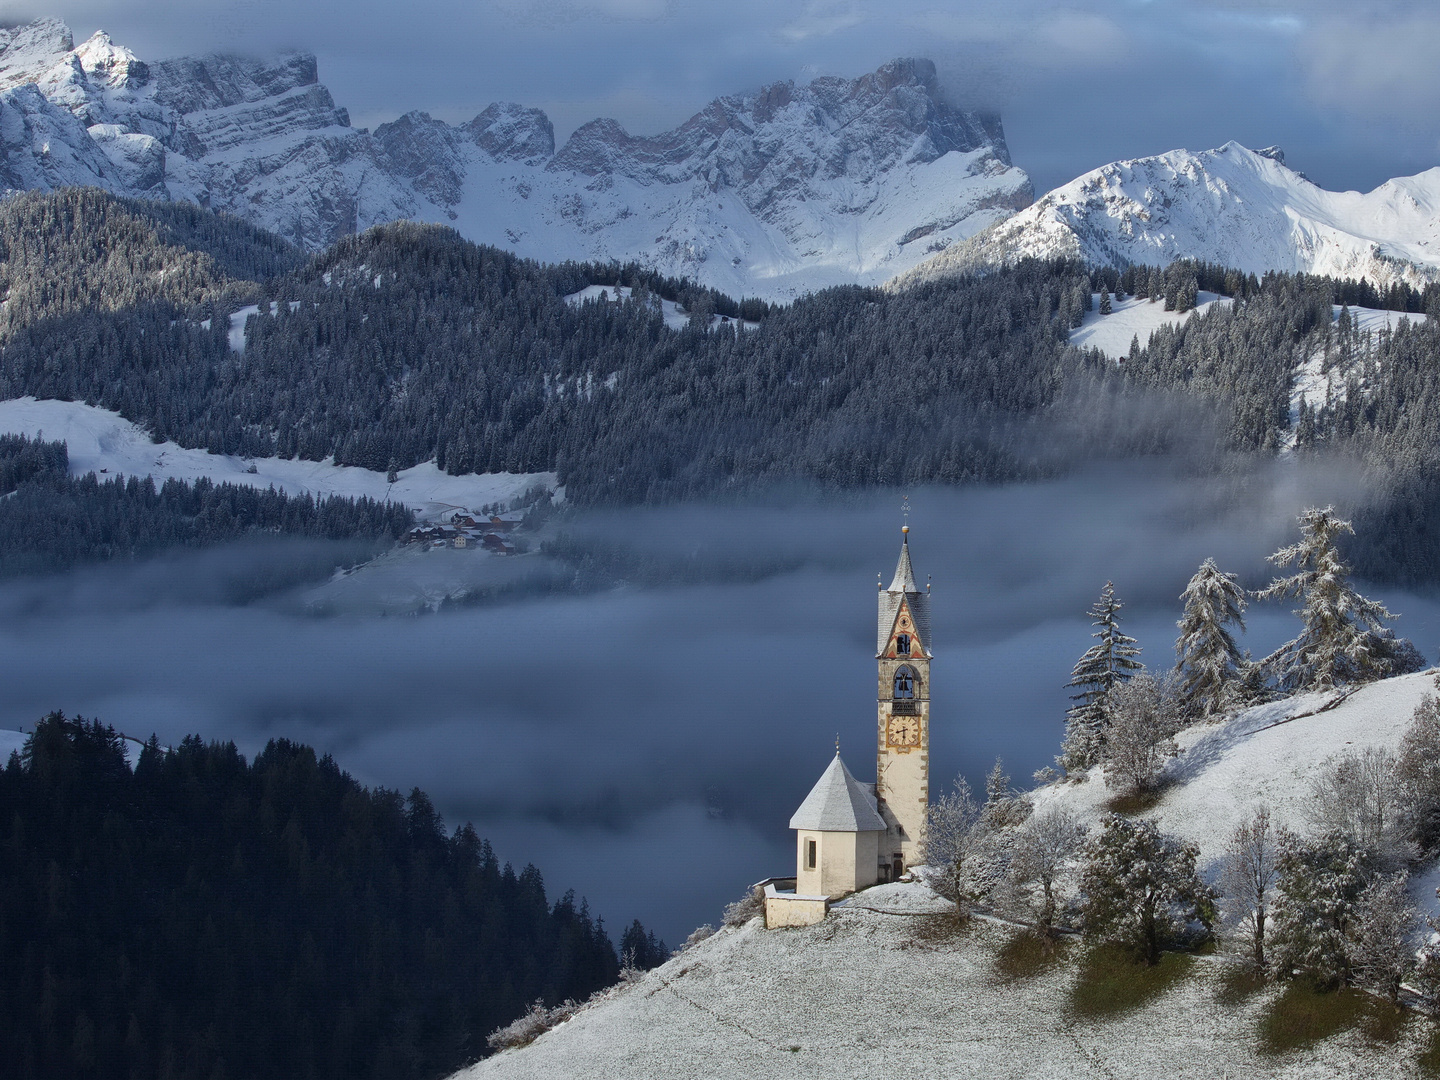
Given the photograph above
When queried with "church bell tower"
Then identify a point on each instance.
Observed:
(902, 767)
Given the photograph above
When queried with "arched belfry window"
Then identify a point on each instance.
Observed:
(904, 684)
(902, 644)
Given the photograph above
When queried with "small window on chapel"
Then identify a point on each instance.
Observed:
(902, 644)
(809, 854)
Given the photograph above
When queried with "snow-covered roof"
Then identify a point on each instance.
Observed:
(838, 803)
(903, 588)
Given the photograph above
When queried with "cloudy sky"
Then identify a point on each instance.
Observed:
(1347, 88)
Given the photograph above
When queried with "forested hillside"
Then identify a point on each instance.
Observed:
(407, 344)
(50, 520)
(204, 916)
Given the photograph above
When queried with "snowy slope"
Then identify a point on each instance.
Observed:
(1131, 318)
(1268, 754)
(1231, 206)
(773, 193)
(104, 442)
(862, 995)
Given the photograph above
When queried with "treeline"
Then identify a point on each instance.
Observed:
(204, 916)
(50, 520)
(408, 344)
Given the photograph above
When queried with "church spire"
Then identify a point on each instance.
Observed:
(904, 581)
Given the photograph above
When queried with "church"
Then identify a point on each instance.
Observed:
(850, 835)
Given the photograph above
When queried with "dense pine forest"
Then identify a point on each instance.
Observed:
(204, 916)
(51, 521)
(408, 344)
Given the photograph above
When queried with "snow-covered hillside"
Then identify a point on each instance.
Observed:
(863, 994)
(1133, 317)
(104, 442)
(1268, 754)
(1231, 206)
(1324, 378)
(772, 193)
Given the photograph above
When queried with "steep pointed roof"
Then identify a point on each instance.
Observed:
(838, 803)
(903, 589)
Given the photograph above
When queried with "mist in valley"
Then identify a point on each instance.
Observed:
(644, 734)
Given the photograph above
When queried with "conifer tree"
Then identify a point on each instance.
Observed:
(1207, 658)
(1141, 889)
(1105, 301)
(1106, 664)
(1343, 637)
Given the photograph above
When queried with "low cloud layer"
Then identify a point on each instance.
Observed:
(661, 733)
(1080, 83)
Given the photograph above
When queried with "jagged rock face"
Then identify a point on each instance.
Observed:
(775, 193)
(1233, 206)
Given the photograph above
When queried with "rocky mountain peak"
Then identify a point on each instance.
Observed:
(510, 132)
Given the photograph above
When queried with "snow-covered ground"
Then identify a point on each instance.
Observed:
(1130, 318)
(11, 742)
(1266, 755)
(104, 442)
(872, 991)
(1314, 386)
(863, 995)
(674, 317)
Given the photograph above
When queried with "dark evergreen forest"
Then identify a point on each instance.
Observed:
(204, 916)
(407, 344)
(50, 520)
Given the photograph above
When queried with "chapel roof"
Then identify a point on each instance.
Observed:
(838, 803)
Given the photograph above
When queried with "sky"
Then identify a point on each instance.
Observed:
(1346, 88)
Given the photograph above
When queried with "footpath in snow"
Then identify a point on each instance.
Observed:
(1131, 318)
(106, 443)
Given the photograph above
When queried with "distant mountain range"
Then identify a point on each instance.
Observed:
(1231, 206)
(774, 193)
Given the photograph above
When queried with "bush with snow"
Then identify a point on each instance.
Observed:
(528, 1028)
(1141, 890)
(746, 908)
(1042, 854)
(1318, 884)
(1139, 737)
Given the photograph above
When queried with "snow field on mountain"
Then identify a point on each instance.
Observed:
(104, 442)
(674, 317)
(1131, 317)
(1266, 755)
(866, 994)
(1314, 386)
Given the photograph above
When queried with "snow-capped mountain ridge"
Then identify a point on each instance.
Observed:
(776, 192)
(1232, 206)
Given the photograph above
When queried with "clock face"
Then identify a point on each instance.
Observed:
(903, 731)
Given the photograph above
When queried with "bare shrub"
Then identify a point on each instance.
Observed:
(699, 934)
(953, 834)
(1358, 795)
(746, 908)
(528, 1028)
(1043, 850)
(1247, 878)
(1138, 742)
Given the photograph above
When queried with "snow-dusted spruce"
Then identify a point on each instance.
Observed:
(1207, 657)
(1343, 638)
(953, 835)
(1247, 878)
(1106, 664)
(1139, 737)
(1042, 852)
(1003, 805)
(1318, 883)
(1141, 890)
